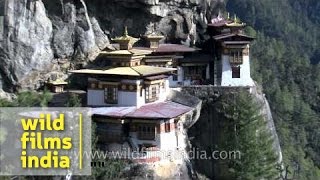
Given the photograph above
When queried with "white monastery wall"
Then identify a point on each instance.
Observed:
(245, 78)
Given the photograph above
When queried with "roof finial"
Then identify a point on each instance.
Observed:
(228, 16)
(154, 28)
(219, 15)
(235, 18)
(125, 31)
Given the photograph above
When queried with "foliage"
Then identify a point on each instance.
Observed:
(112, 168)
(5, 103)
(285, 57)
(29, 99)
(73, 101)
(245, 130)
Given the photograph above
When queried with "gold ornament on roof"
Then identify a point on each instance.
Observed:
(126, 31)
(125, 41)
(236, 22)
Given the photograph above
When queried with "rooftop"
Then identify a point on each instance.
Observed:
(131, 52)
(153, 35)
(58, 82)
(171, 48)
(162, 110)
(125, 36)
(126, 42)
(232, 35)
(126, 71)
(221, 21)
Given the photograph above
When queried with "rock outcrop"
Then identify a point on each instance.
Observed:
(207, 132)
(26, 47)
(41, 39)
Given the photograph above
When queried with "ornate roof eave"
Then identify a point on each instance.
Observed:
(125, 39)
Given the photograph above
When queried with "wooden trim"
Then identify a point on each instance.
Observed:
(128, 87)
(154, 82)
(109, 83)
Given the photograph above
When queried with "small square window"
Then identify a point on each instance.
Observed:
(175, 77)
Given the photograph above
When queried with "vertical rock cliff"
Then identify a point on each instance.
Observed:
(43, 38)
(26, 46)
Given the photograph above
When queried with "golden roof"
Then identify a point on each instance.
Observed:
(58, 82)
(153, 35)
(131, 52)
(236, 22)
(125, 38)
(126, 71)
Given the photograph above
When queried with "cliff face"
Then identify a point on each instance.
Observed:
(208, 132)
(43, 38)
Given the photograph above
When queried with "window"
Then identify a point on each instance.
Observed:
(235, 72)
(111, 94)
(175, 77)
(167, 127)
(146, 131)
(236, 57)
(152, 92)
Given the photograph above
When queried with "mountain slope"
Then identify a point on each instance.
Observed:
(285, 57)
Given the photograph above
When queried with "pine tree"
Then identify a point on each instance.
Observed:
(246, 131)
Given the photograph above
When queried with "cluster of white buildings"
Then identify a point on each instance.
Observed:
(129, 96)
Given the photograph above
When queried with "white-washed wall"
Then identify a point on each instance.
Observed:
(245, 78)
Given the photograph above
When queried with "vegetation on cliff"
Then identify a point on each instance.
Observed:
(245, 129)
(286, 63)
(233, 123)
(28, 99)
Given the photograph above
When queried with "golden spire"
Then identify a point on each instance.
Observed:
(228, 16)
(236, 22)
(125, 41)
(126, 31)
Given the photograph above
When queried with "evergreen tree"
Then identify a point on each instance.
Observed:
(247, 132)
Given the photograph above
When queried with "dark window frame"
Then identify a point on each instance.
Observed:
(236, 56)
(236, 71)
(152, 92)
(167, 127)
(147, 131)
(111, 94)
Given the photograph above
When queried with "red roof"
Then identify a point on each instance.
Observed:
(162, 110)
(118, 112)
